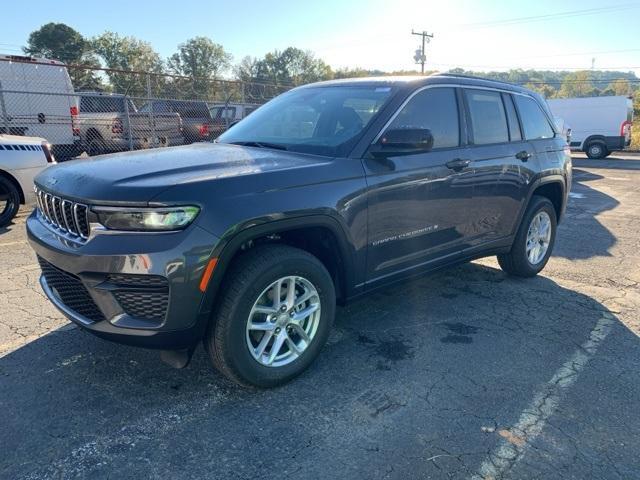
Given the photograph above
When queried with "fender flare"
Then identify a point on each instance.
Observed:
(548, 179)
(230, 244)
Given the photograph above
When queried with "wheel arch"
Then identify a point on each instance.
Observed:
(320, 235)
(14, 181)
(591, 139)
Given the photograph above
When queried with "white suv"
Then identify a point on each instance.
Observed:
(21, 159)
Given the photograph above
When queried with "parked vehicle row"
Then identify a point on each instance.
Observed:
(328, 192)
(37, 98)
(112, 123)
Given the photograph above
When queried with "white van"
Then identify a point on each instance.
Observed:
(37, 99)
(599, 125)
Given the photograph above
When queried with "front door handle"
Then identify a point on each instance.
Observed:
(523, 155)
(458, 164)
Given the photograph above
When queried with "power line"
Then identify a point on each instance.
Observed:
(550, 16)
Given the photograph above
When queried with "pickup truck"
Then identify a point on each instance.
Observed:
(111, 123)
(328, 192)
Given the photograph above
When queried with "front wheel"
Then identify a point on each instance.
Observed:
(273, 318)
(534, 241)
(9, 201)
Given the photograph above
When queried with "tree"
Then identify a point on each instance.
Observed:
(131, 54)
(620, 87)
(577, 84)
(58, 41)
(199, 57)
(292, 66)
(202, 60)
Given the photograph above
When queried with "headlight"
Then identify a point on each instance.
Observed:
(146, 219)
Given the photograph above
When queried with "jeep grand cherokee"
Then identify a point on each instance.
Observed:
(327, 192)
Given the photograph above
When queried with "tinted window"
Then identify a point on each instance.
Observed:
(191, 109)
(514, 128)
(104, 104)
(488, 118)
(435, 109)
(534, 121)
(323, 120)
(158, 107)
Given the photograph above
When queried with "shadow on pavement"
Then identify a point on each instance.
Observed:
(415, 381)
(609, 163)
(581, 235)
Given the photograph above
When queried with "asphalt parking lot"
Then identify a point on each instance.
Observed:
(463, 374)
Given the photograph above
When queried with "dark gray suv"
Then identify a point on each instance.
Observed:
(327, 192)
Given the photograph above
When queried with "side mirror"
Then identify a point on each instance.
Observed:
(403, 141)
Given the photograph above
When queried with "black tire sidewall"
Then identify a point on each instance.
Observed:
(236, 351)
(14, 202)
(602, 154)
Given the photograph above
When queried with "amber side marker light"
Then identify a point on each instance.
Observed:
(206, 276)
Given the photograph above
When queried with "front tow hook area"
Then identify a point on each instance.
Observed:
(177, 358)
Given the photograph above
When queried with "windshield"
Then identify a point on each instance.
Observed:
(319, 120)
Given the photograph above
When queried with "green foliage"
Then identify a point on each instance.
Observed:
(292, 66)
(199, 57)
(127, 53)
(57, 41)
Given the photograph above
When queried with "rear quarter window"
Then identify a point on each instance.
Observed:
(488, 117)
(534, 121)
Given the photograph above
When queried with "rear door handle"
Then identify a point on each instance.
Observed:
(458, 164)
(523, 155)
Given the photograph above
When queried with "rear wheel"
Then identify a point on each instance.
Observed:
(597, 150)
(96, 146)
(534, 241)
(273, 318)
(9, 201)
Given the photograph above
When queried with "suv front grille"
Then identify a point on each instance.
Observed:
(65, 215)
(71, 291)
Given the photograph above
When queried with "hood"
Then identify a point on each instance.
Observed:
(137, 177)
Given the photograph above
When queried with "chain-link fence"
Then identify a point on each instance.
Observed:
(81, 109)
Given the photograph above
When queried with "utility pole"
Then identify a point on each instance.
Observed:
(420, 57)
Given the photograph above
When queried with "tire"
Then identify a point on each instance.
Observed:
(517, 262)
(9, 201)
(96, 146)
(247, 284)
(597, 150)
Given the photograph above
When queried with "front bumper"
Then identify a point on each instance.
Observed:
(140, 289)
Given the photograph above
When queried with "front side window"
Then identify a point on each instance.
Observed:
(435, 109)
(488, 118)
(534, 121)
(320, 120)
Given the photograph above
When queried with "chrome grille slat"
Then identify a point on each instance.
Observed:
(65, 215)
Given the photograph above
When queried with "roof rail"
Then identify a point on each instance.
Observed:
(472, 77)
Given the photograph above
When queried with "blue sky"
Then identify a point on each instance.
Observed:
(368, 34)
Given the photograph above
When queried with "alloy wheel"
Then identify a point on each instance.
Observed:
(283, 321)
(538, 237)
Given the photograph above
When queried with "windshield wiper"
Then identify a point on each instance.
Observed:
(275, 146)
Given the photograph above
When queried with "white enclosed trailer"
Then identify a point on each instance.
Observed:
(599, 125)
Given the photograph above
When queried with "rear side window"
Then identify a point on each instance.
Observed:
(514, 127)
(435, 109)
(534, 121)
(488, 118)
(191, 109)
